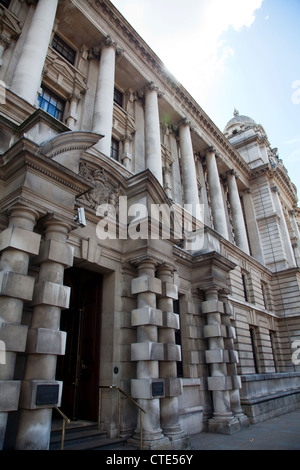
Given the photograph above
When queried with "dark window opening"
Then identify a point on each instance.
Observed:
(179, 364)
(64, 49)
(244, 280)
(115, 149)
(118, 97)
(254, 348)
(51, 103)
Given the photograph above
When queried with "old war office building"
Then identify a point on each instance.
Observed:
(199, 323)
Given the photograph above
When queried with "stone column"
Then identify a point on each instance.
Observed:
(147, 388)
(126, 157)
(152, 132)
(104, 101)
(237, 213)
(283, 228)
(295, 239)
(219, 383)
(216, 198)
(188, 169)
(45, 342)
(27, 76)
(17, 244)
(232, 360)
(169, 413)
(253, 230)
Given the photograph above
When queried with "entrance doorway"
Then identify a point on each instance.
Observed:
(79, 368)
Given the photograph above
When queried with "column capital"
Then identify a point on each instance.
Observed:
(106, 42)
(151, 86)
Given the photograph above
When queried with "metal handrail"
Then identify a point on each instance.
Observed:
(129, 398)
(65, 420)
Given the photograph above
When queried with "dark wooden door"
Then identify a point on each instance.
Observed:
(79, 368)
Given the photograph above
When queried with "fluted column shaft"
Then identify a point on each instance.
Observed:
(27, 77)
(104, 101)
(189, 176)
(237, 213)
(217, 203)
(152, 133)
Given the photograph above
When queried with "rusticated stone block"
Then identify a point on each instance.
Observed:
(169, 290)
(171, 320)
(29, 391)
(49, 293)
(20, 239)
(9, 395)
(147, 351)
(16, 285)
(212, 331)
(173, 387)
(172, 352)
(146, 284)
(45, 341)
(231, 332)
(236, 382)
(143, 388)
(212, 306)
(146, 316)
(214, 356)
(14, 337)
(53, 250)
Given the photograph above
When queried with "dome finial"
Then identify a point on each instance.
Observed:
(235, 112)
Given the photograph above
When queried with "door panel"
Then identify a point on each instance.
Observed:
(79, 368)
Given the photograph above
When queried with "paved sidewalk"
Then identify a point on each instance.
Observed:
(280, 433)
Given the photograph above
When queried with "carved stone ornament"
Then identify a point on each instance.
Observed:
(105, 192)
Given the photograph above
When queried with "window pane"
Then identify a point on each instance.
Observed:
(51, 103)
(64, 49)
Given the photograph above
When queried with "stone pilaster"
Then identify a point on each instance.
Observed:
(169, 413)
(40, 392)
(148, 388)
(27, 77)
(152, 132)
(104, 101)
(237, 213)
(216, 198)
(17, 243)
(219, 383)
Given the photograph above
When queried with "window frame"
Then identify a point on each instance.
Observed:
(63, 49)
(59, 111)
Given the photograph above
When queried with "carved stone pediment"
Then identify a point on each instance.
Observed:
(9, 26)
(59, 72)
(104, 192)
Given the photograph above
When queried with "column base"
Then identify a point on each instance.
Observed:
(151, 442)
(179, 441)
(224, 426)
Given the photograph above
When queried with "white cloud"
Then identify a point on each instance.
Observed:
(187, 36)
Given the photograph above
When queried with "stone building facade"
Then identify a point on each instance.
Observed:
(140, 246)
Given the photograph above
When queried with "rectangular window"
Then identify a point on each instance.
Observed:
(118, 97)
(51, 103)
(176, 309)
(264, 290)
(245, 287)
(64, 49)
(254, 348)
(115, 149)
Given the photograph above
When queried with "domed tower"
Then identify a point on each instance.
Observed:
(249, 139)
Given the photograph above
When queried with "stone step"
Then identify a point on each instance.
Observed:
(85, 436)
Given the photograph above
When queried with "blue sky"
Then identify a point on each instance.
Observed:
(228, 54)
